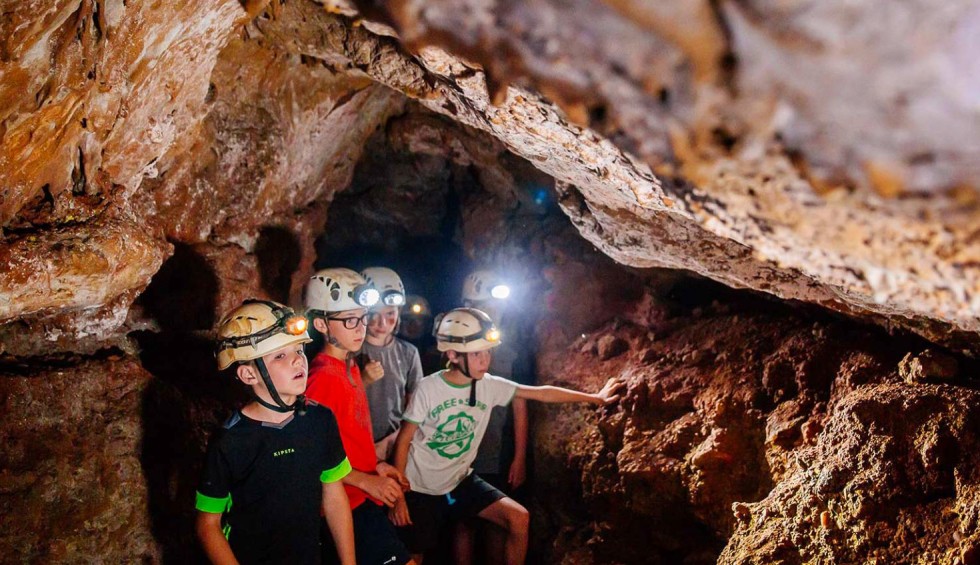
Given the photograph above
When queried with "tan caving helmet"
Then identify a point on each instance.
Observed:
(337, 290)
(388, 284)
(256, 328)
(466, 330)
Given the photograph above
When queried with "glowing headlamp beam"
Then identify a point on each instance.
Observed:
(500, 292)
(295, 325)
(368, 297)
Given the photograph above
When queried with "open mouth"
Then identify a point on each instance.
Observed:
(299, 375)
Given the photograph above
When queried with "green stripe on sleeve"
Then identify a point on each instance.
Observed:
(411, 421)
(337, 473)
(213, 505)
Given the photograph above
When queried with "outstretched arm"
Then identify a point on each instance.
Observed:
(555, 394)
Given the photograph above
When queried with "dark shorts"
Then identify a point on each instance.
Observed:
(375, 539)
(430, 513)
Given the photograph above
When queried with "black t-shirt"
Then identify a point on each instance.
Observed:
(266, 479)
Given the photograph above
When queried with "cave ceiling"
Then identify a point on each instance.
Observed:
(825, 152)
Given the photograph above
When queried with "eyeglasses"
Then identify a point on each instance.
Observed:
(353, 321)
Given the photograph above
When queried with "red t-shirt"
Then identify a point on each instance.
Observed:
(329, 386)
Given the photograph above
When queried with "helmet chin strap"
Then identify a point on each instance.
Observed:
(299, 406)
(465, 369)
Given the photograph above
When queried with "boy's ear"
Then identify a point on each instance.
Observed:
(452, 356)
(320, 325)
(247, 373)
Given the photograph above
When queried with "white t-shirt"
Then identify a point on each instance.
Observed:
(450, 430)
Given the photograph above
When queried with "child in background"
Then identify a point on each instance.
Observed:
(401, 368)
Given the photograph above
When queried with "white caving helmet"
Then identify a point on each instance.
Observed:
(484, 285)
(337, 290)
(257, 328)
(389, 285)
(465, 330)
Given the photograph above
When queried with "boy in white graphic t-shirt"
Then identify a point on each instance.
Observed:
(442, 430)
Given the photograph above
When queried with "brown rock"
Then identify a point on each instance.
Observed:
(76, 267)
(928, 365)
(610, 346)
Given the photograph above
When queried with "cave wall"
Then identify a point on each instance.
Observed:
(161, 162)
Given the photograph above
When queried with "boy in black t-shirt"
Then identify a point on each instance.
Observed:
(278, 462)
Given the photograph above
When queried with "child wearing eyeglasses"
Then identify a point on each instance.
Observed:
(337, 302)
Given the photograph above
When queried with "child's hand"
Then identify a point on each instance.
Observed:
(399, 514)
(389, 471)
(373, 371)
(384, 489)
(610, 392)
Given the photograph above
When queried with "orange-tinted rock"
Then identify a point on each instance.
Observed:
(94, 92)
(692, 438)
(76, 267)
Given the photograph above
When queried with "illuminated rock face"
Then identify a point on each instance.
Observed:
(159, 162)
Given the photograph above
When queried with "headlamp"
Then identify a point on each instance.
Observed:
(295, 325)
(500, 291)
(393, 298)
(366, 295)
(492, 335)
(416, 308)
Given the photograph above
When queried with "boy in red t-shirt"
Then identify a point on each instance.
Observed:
(337, 302)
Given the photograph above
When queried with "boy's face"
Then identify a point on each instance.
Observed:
(478, 362)
(349, 339)
(382, 322)
(287, 368)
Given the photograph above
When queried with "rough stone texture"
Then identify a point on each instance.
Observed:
(735, 205)
(161, 161)
(746, 428)
(725, 170)
(876, 488)
(92, 92)
(72, 483)
(281, 133)
(76, 267)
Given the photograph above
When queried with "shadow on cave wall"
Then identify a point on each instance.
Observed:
(279, 254)
(185, 399)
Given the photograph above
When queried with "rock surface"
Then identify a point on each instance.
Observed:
(159, 162)
(749, 437)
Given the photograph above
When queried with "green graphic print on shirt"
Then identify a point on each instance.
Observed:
(454, 437)
(449, 429)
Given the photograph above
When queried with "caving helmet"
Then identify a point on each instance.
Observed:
(466, 330)
(337, 290)
(483, 285)
(257, 328)
(389, 285)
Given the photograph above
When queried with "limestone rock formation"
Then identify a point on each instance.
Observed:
(159, 162)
